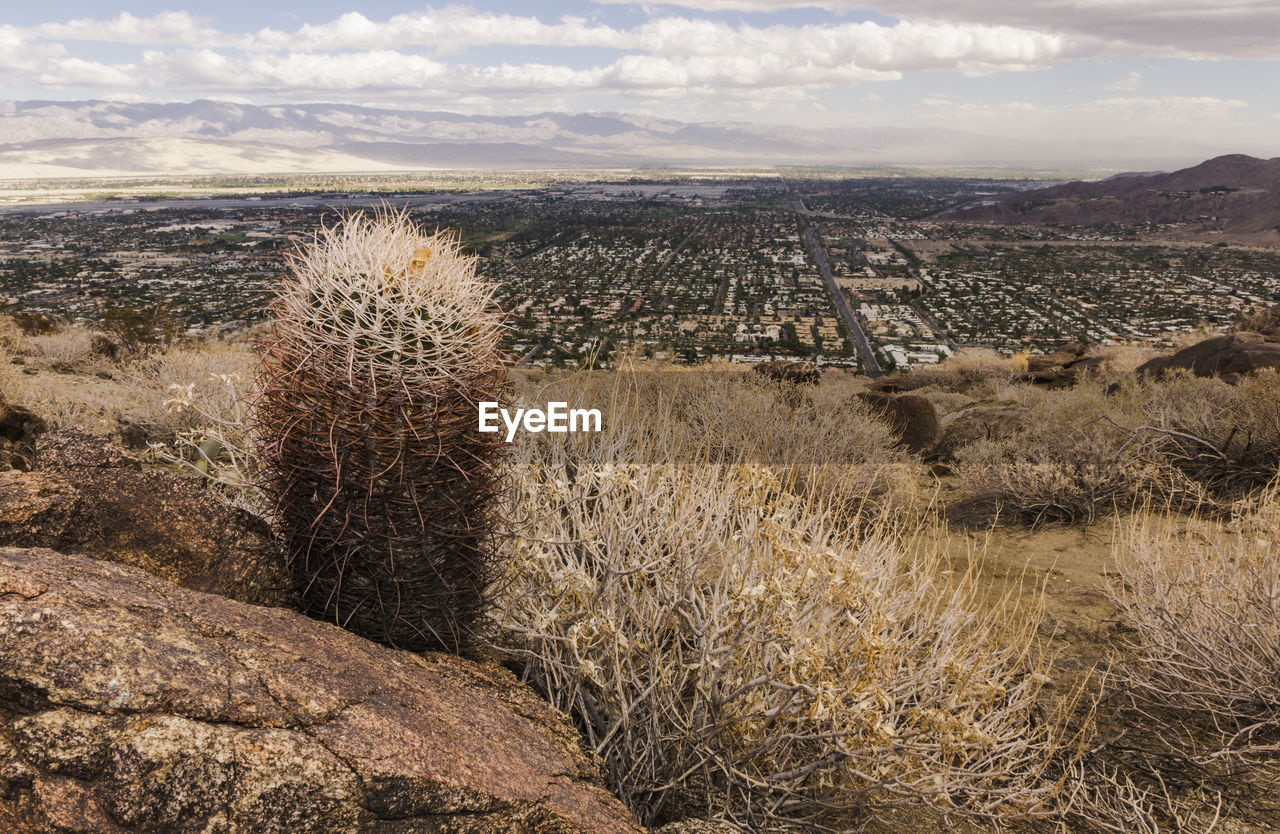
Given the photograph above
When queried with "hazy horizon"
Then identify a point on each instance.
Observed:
(1116, 81)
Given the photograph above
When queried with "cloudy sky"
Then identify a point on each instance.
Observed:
(1201, 69)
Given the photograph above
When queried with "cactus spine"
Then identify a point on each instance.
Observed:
(383, 341)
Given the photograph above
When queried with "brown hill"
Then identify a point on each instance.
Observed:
(1234, 197)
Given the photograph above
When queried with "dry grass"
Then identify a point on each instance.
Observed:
(1205, 609)
(1085, 452)
(70, 348)
(824, 437)
(734, 647)
(188, 400)
(137, 391)
(977, 372)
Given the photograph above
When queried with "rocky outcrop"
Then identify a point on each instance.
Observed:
(1061, 368)
(973, 425)
(129, 704)
(19, 429)
(793, 373)
(1265, 321)
(87, 496)
(1228, 356)
(913, 418)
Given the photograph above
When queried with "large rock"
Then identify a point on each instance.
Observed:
(1226, 356)
(129, 704)
(794, 373)
(87, 496)
(1265, 321)
(913, 418)
(1062, 368)
(1041, 362)
(979, 423)
(19, 428)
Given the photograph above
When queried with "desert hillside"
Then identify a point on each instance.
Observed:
(1085, 538)
(1230, 197)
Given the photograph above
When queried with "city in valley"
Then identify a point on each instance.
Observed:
(865, 270)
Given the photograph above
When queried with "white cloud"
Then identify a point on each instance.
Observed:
(1194, 28)
(163, 28)
(67, 72)
(18, 54)
(1167, 107)
(949, 107)
(900, 47)
(664, 56)
(1128, 84)
(390, 71)
(710, 68)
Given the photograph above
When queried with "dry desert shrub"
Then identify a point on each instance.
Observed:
(211, 376)
(193, 401)
(1070, 460)
(978, 372)
(1084, 452)
(826, 439)
(733, 650)
(1105, 797)
(69, 347)
(11, 338)
(1124, 359)
(187, 402)
(1225, 438)
(137, 392)
(1188, 722)
(1204, 606)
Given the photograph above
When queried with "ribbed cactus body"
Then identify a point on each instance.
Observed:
(384, 341)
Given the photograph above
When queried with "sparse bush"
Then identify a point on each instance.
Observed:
(210, 378)
(1084, 452)
(733, 650)
(716, 413)
(68, 348)
(137, 392)
(11, 337)
(1204, 606)
(205, 424)
(140, 330)
(979, 373)
(1226, 438)
(1102, 797)
(383, 343)
(1069, 461)
(33, 324)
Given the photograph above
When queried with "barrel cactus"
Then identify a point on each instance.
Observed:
(383, 341)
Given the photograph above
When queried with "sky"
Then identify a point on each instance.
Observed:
(1205, 70)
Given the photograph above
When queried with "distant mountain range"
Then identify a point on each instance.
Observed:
(1234, 196)
(97, 138)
